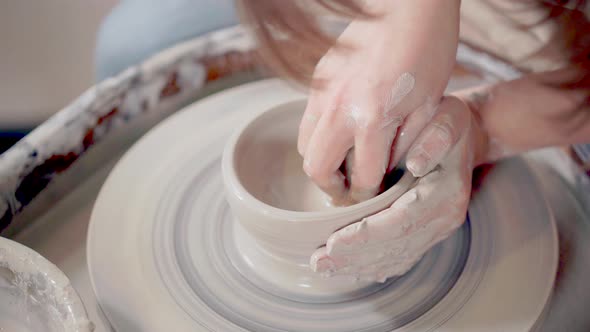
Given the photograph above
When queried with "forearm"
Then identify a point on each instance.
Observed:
(533, 112)
(388, 6)
(418, 16)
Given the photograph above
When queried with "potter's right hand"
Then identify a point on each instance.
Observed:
(389, 243)
(381, 90)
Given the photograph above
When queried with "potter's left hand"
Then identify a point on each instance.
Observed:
(381, 86)
(389, 243)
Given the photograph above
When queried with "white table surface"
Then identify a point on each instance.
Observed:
(60, 236)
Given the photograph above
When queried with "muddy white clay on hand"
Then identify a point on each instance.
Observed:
(391, 242)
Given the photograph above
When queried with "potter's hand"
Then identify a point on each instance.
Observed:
(380, 89)
(389, 243)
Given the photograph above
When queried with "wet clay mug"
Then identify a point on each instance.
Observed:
(282, 217)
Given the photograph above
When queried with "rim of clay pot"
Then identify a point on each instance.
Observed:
(236, 188)
(31, 267)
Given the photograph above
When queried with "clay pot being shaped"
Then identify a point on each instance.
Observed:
(282, 217)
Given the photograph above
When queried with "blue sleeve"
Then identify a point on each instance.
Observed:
(137, 29)
(583, 152)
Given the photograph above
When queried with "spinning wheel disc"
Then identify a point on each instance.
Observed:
(163, 255)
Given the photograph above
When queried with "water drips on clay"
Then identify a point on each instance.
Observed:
(400, 89)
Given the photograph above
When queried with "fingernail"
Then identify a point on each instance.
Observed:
(307, 166)
(324, 265)
(381, 277)
(300, 150)
(358, 196)
(300, 147)
(362, 231)
(417, 164)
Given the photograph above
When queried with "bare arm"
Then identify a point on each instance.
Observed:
(533, 112)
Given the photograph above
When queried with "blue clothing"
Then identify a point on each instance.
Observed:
(137, 29)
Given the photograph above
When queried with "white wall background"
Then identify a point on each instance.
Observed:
(46, 55)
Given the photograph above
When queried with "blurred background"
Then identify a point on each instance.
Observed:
(52, 51)
(46, 59)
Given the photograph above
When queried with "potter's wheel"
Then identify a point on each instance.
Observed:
(162, 254)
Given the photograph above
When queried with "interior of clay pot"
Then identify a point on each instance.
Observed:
(270, 168)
